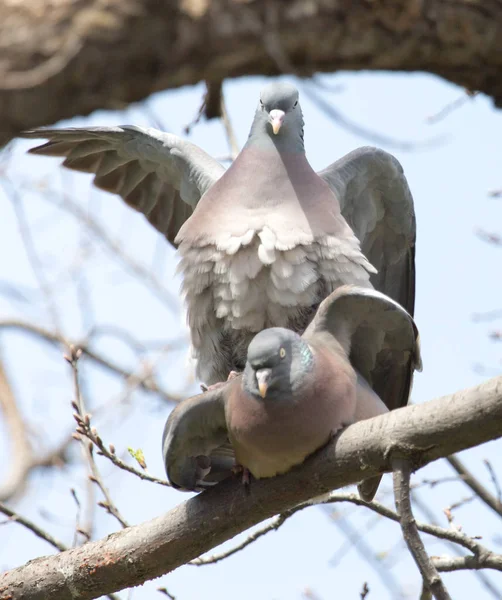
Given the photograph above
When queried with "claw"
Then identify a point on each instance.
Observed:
(246, 475)
(208, 388)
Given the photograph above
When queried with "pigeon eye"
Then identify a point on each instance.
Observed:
(282, 353)
(295, 104)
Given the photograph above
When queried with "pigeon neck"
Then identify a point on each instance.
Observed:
(289, 139)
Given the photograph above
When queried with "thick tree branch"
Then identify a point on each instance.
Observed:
(425, 432)
(53, 67)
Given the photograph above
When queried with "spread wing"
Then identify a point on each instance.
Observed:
(195, 444)
(379, 336)
(382, 342)
(158, 174)
(377, 204)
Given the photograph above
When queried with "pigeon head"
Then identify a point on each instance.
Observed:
(279, 117)
(277, 362)
(279, 101)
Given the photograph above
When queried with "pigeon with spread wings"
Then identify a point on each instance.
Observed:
(263, 242)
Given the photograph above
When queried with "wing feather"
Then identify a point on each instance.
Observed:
(195, 444)
(158, 174)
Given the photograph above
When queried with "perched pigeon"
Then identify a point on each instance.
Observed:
(262, 243)
(294, 395)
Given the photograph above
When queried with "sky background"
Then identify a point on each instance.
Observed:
(451, 168)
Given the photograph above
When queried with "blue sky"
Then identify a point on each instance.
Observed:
(457, 275)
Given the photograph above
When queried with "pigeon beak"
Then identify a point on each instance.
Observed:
(276, 119)
(262, 377)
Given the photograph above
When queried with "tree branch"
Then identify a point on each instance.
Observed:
(21, 452)
(181, 43)
(476, 486)
(130, 557)
(146, 384)
(430, 576)
(39, 532)
(83, 419)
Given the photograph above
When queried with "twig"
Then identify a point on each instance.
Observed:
(229, 130)
(21, 450)
(450, 535)
(213, 100)
(490, 315)
(490, 237)
(359, 130)
(309, 594)
(24, 460)
(142, 273)
(458, 563)
(273, 526)
(58, 340)
(356, 537)
(471, 481)
(495, 481)
(434, 482)
(152, 116)
(164, 591)
(78, 529)
(451, 107)
(430, 575)
(82, 418)
(365, 591)
(210, 107)
(85, 429)
(15, 517)
(476, 548)
(32, 253)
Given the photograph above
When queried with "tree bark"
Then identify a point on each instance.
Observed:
(66, 58)
(421, 433)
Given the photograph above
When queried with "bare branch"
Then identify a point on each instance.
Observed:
(458, 563)
(365, 591)
(32, 252)
(274, 526)
(91, 433)
(356, 129)
(495, 481)
(21, 452)
(143, 274)
(233, 144)
(475, 485)
(488, 236)
(451, 107)
(430, 576)
(428, 431)
(15, 517)
(83, 419)
(146, 384)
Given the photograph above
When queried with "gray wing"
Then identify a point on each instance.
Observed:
(377, 204)
(195, 444)
(379, 336)
(158, 174)
(383, 344)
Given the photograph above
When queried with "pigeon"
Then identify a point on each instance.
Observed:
(295, 394)
(262, 243)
